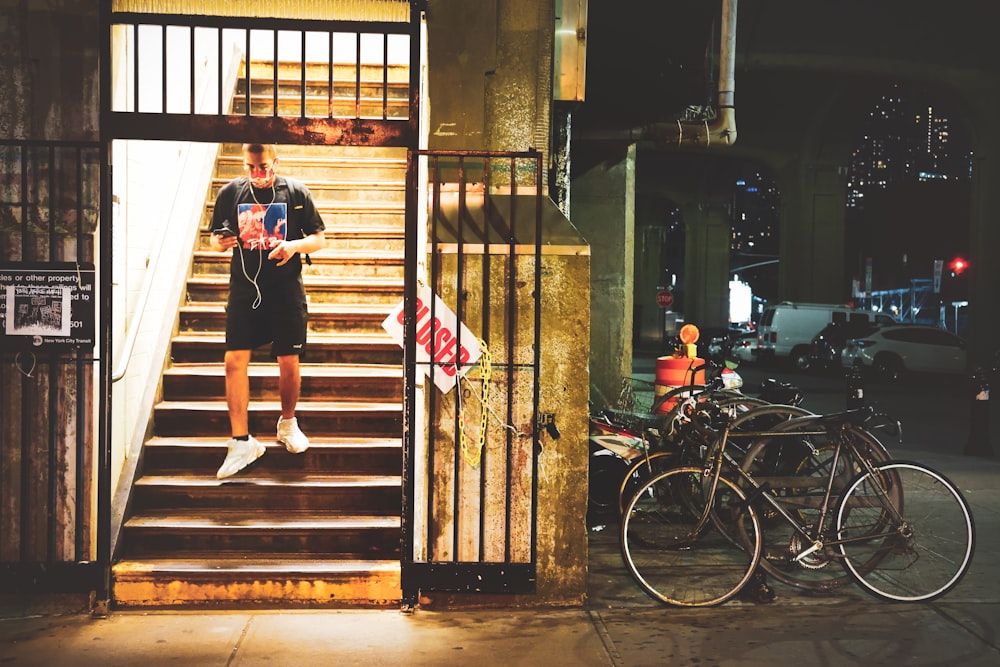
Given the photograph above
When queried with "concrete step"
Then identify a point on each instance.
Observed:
(225, 581)
(321, 347)
(334, 260)
(346, 382)
(273, 533)
(316, 418)
(370, 91)
(348, 212)
(255, 488)
(202, 455)
(350, 154)
(356, 318)
(328, 190)
(325, 289)
(307, 163)
(319, 106)
(354, 232)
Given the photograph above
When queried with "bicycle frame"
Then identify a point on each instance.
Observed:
(720, 457)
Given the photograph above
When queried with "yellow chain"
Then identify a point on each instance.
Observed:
(471, 454)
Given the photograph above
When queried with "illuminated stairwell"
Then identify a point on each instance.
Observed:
(320, 528)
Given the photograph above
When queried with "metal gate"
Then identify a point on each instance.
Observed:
(472, 336)
(48, 297)
(188, 78)
(473, 237)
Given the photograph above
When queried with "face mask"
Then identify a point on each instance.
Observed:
(262, 179)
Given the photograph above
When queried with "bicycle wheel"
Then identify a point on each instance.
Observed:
(641, 471)
(755, 418)
(606, 473)
(909, 553)
(797, 468)
(675, 454)
(672, 556)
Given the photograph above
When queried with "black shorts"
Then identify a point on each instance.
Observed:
(278, 321)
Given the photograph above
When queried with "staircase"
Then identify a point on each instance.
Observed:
(320, 528)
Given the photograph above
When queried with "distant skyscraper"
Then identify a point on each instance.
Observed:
(755, 215)
(905, 141)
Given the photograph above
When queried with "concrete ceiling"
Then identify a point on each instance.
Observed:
(803, 67)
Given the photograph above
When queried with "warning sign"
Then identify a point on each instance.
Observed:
(439, 336)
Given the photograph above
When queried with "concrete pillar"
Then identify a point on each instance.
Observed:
(706, 264)
(652, 271)
(982, 95)
(490, 74)
(518, 88)
(603, 204)
(813, 196)
(984, 232)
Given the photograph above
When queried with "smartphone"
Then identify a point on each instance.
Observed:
(225, 231)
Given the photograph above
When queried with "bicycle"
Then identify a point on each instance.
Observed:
(623, 438)
(676, 448)
(796, 467)
(704, 554)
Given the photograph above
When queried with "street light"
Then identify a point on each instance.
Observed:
(956, 305)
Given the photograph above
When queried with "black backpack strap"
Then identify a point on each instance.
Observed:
(225, 214)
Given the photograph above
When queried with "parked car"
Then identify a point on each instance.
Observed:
(713, 343)
(893, 350)
(721, 342)
(787, 328)
(742, 327)
(744, 348)
(828, 345)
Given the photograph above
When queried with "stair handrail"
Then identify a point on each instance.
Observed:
(132, 333)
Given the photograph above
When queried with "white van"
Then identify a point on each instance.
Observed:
(786, 329)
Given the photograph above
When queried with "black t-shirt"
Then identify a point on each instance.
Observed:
(250, 262)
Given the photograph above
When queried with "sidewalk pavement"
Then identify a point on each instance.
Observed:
(618, 626)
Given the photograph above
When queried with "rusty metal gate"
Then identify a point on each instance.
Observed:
(48, 352)
(377, 107)
(472, 336)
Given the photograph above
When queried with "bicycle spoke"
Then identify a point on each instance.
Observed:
(919, 557)
(674, 555)
(797, 466)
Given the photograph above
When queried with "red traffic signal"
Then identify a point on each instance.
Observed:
(958, 265)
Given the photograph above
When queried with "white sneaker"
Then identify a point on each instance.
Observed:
(292, 436)
(241, 454)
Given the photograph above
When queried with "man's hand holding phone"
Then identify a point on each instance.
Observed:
(225, 238)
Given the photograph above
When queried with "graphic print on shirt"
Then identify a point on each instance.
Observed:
(262, 226)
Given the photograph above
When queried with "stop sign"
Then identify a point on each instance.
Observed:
(664, 298)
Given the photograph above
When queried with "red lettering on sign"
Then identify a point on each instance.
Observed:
(444, 339)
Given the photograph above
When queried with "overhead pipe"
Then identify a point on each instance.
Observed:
(719, 130)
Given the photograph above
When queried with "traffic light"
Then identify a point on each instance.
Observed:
(956, 286)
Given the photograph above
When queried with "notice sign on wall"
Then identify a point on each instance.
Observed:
(46, 305)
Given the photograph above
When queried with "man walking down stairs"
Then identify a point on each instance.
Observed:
(277, 225)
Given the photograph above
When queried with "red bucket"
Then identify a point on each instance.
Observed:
(673, 372)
